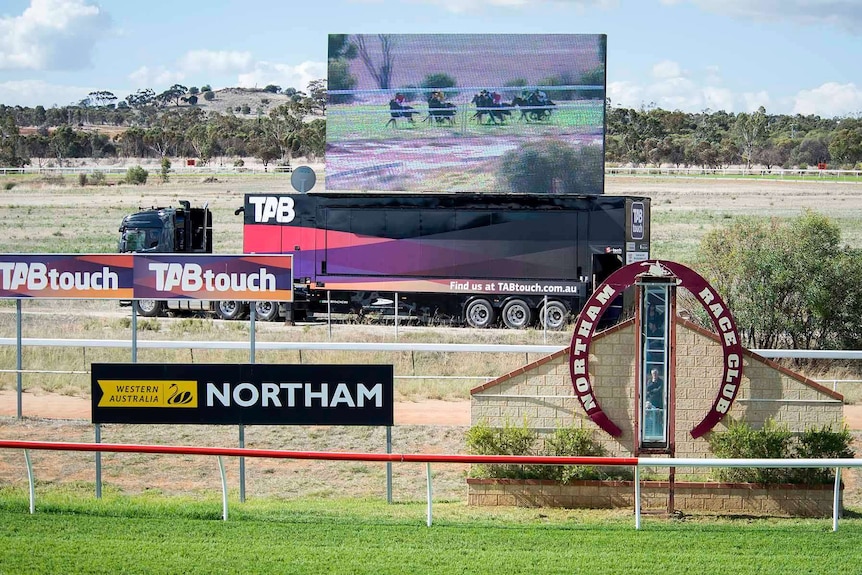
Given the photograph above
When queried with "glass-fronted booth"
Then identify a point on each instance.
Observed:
(656, 303)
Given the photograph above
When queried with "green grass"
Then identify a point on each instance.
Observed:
(74, 533)
(368, 122)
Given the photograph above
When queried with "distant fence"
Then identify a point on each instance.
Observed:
(738, 171)
(217, 169)
(635, 462)
(180, 170)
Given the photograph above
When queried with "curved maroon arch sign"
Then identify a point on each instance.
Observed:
(588, 319)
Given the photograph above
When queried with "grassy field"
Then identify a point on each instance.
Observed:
(161, 518)
(366, 122)
(181, 535)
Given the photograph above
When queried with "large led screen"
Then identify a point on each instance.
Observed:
(521, 113)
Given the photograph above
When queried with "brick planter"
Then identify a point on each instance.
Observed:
(692, 497)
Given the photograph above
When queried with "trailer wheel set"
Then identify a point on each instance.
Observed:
(515, 313)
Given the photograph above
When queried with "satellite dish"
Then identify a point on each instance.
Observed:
(303, 179)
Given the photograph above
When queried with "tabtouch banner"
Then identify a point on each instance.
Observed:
(246, 394)
(85, 276)
(137, 276)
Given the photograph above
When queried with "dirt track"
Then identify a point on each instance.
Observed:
(426, 412)
(55, 406)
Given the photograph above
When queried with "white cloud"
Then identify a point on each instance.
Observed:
(829, 100)
(156, 78)
(754, 100)
(461, 6)
(219, 62)
(37, 92)
(841, 13)
(672, 88)
(666, 69)
(283, 75)
(52, 34)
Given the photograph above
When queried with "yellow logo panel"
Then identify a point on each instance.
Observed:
(148, 393)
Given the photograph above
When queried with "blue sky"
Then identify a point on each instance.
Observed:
(791, 56)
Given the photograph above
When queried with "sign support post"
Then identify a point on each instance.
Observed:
(19, 359)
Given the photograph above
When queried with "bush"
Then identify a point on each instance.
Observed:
(82, 180)
(136, 175)
(209, 95)
(98, 179)
(166, 168)
(566, 442)
(238, 163)
(509, 440)
(772, 441)
(573, 442)
(9, 185)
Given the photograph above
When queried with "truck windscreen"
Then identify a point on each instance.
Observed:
(139, 239)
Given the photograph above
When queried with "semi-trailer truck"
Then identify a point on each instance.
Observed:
(479, 259)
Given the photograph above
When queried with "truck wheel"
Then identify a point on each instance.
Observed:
(517, 314)
(479, 313)
(149, 307)
(266, 310)
(554, 316)
(230, 309)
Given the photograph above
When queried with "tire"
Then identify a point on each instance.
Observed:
(517, 314)
(230, 309)
(266, 310)
(149, 307)
(479, 313)
(555, 316)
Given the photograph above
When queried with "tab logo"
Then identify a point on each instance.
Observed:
(267, 209)
(638, 217)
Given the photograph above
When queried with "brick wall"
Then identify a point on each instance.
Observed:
(690, 497)
(541, 393)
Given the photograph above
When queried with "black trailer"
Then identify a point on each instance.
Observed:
(476, 258)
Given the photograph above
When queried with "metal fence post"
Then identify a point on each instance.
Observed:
(836, 499)
(637, 497)
(31, 480)
(19, 358)
(428, 475)
(389, 465)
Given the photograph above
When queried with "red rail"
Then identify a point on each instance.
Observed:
(320, 455)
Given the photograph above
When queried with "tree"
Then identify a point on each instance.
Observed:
(552, 166)
(172, 94)
(846, 146)
(209, 95)
(813, 150)
(382, 72)
(272, 88)
(317, 93)
(750, 132)
(437, 81)
(789, 282)
(10, 143)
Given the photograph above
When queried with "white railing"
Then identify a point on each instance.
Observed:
(738, 171)
(154, 170)
(634, 462)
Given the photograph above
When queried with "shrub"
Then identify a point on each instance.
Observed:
(238, 163)
(509, 440)
(573, 442)
(82, 180)
(565, 442)
(246, 109)
(209, 95)
(9, 185)
(166, 168)
(772, 441)
(136, 175)
(98, 179)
